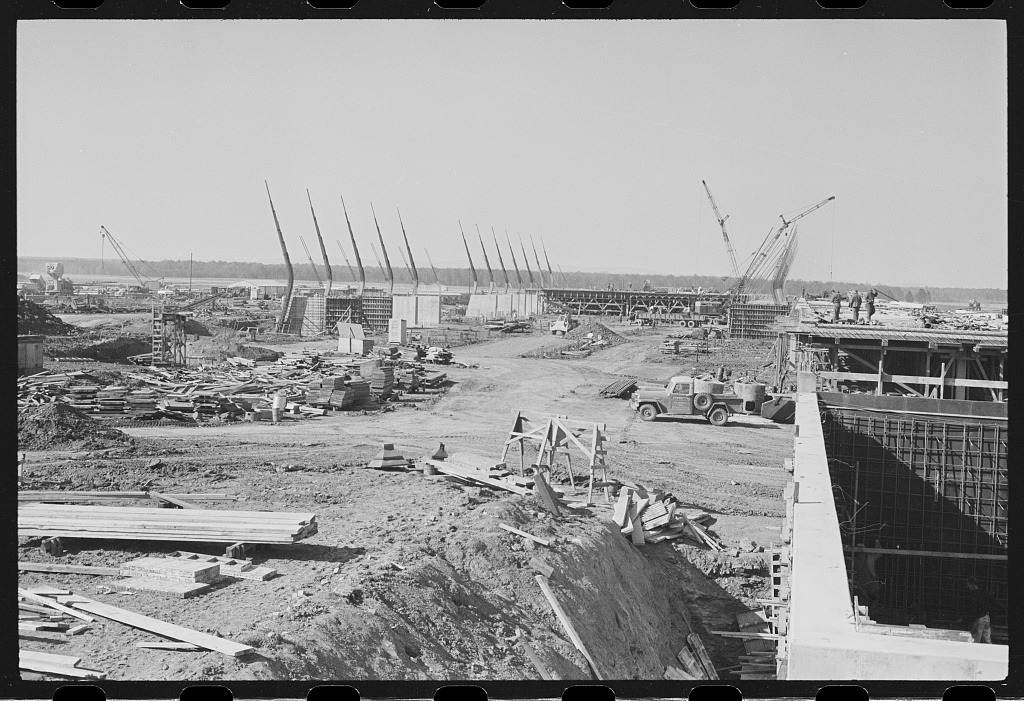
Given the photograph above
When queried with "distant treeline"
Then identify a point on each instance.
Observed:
(461, 276)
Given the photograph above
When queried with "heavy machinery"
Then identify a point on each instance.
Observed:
(681, 398)
(119, 249)
(725, 234)
(58, 284)
(563, 324)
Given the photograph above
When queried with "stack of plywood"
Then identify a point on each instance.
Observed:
(139, 523)
(382, 382)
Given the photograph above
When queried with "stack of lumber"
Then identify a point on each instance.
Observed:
(37, 613)
(619, 388)
(382, 381)
(653, 516)
(72, 497)
(56, 665)
(360, 390)
(112, 400)
(366, 368)
(758, 660)
(142, 400)
(139, 523)
(229, 566)
(83, 397)
(434, 379)
(175, 577)
(670, 346)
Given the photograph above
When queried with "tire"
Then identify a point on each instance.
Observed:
(703, 401)
(690, 323)
(648, 412)
(718, 416)
(561, 333)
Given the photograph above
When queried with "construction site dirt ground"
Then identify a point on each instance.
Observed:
(409, 576)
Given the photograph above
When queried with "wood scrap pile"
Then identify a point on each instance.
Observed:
(620, 388)
(759, 646)
(695, 661)
(87, 609)
(141, 523)
(37, 613)
(651, 516)
(479, 470)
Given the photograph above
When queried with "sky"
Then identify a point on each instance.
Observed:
(593, 136)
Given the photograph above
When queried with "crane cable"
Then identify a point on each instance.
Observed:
(832, 254)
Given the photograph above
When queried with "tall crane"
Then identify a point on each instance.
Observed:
(725, 234)
(774, 245)
(121, 254)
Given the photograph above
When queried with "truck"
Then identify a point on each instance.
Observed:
(679, 398)
(704, 312)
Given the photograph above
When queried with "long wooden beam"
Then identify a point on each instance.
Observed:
(927, 553)
(913, 379)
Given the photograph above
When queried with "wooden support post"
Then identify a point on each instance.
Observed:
(881, 366)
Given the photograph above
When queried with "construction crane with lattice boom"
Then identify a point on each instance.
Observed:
(123, 256)
(725, 234)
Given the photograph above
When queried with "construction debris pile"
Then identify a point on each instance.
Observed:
(56, 425)
(653, 516)
(595, 332)
(36, 319)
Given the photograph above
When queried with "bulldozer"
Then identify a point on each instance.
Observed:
(563, 324)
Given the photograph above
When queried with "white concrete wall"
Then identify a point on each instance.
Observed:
(822, 641)
(420, 311)
(502, 306)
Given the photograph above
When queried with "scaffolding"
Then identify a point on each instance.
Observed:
(168, 347)
(755, 321)
(923, 504)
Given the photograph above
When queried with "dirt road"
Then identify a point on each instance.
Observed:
(409, 576)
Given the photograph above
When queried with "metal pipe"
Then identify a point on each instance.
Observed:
(286, 303)
(323, 250)
(472, 270)
(359, 261)
(500, 260)
(384, 250)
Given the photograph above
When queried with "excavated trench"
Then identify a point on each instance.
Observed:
(464, 600)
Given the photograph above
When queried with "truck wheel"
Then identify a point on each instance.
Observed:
(718, 416)
(561, 333)
(703, 401)
(648, 412)
(690, 323)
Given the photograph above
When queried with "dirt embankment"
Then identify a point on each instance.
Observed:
(114, 350)
(36, 319)
(55, 426)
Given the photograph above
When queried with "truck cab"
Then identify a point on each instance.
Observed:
(678, 398)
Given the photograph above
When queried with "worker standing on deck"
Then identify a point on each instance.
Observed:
(869, 298)
(277, 408)
(978, 612)
(837, 301)
(855, 305)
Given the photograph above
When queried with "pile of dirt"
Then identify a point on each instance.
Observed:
(36, 319)
(600, 331)
(56, 426)
(195, 328)
(258, 353)
(115, 350)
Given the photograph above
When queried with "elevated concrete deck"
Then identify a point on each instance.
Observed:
(822, 641)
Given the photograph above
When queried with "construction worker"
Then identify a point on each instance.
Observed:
(869, 299)
(837, 301)
(978, 611)
(855, 305)
(277, 408)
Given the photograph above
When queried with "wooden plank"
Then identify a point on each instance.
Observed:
(32, 626)
(534, 538)
(691, 663)
(175, 589)
(694, 641)
(630, 517)
(170, 630)
(543, 494)
(159, 645)
(927, 553)
(637, 534)
(44, 590)
(54, 605)
(542, 567)
(566, 623)
(478, 477)
(757, 636)
(173, 500)
(67, 569)
(672, 672)
(90, 511)
(542, 670)
(34, 664)
(171, 568)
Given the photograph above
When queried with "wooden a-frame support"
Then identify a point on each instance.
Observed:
(560, 434)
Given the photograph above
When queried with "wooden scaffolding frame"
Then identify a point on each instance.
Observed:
(559, 434)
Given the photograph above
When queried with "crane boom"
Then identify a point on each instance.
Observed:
(345, 257)
(725, 234)
(121, 254)
(316, 273)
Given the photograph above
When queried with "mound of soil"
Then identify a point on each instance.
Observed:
(598, 329)
(258, 353)
(195, 328)
(56, 426)
(115, 350)
(36, 319)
